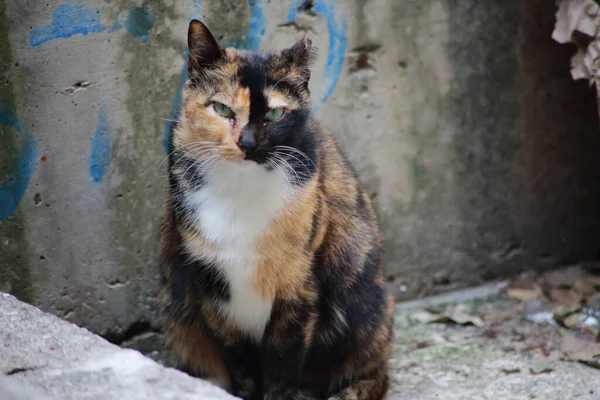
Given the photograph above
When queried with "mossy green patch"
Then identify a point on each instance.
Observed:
(361, 27)
(15, 271)
(136, 202)
(228, 20)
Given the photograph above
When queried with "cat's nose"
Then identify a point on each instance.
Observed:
(247, 140)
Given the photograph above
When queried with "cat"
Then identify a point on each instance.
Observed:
(271, 280)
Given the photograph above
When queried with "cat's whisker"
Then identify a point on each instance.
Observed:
(204, 165)
(302, 164)
(203, 161)
(285, 164)
(299, 152)
(187, 148)
(282, 173)
(211, 162)
(199, 162)
(297, 176)
(179, 119)
(197, 165)
(180, 148)
(177, 162)
(283, 153)
(192, 165)
(295, 198)
(297, 184)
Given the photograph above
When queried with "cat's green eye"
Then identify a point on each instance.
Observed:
(274, 114)
(223, 110)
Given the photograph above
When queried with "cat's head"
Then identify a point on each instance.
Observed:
(244, 106)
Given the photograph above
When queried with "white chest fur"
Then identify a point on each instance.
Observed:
(233, 209)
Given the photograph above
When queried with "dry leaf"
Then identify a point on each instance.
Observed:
(424, 317)
(575, 15)
(569, 287)
(565, 297)
(592, 307)
(510, 371)
(541, 371)
(461, 316)
(572, 321)
(538, 311)
(580, 350)
(580, 16)
(458, 315)
(523, 294)
(418, 344)
(525, 280)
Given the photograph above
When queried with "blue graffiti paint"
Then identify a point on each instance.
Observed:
(337, 44)
(73, 19)
(101, 146)
(8, 118)
(252, 39)
(196, 9)
(12, 189)
(257, 25)
(68, 20)
(137, 21)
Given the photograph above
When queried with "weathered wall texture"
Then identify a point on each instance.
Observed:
(424, 96)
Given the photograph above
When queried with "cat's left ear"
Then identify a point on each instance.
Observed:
(301, 55)
(204, 49)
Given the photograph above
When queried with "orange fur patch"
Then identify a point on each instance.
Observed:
(284, 263)
(203, 131)
(193, 347)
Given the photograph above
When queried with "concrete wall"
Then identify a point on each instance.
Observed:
(426, 96)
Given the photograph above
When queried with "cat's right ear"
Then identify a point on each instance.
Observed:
(204, 49)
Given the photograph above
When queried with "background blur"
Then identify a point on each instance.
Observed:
(461, 117)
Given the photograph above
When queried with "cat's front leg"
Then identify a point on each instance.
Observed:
(284, 347)
(243, 362)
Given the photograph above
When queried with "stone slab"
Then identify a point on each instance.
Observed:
(43, 357)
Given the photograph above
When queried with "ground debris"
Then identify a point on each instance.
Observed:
(538, 310)
(510, 371)
(419, 344)
(541, 371)
(584, 349)
(452, 314)
(568, 298)
(523, 294)
(436, 357)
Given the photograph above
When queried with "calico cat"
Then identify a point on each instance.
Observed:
(270, 249)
